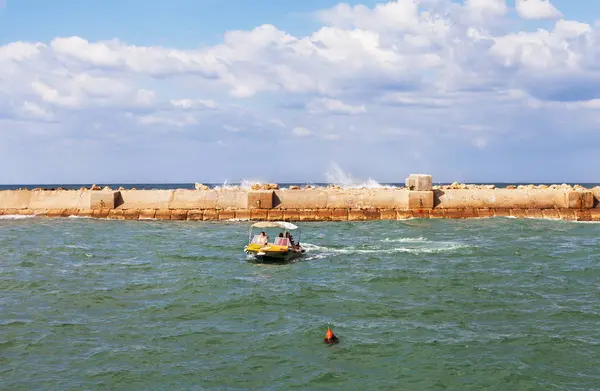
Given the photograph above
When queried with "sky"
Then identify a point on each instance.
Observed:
(210, 91)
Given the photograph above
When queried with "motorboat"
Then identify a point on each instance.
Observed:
(282, 248)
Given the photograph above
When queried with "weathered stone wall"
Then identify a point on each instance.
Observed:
(311, 204)
(513, 198)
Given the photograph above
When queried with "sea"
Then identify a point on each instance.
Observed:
(481, 304)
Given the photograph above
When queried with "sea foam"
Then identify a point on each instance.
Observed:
(16, 217)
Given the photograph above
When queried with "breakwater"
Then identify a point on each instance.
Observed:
(417, 199)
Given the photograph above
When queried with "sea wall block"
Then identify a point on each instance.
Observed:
(596, 192)
(102, 199)
(419, 182)
(194, 199)
(232, 199)
(260, 199)
(500, 198)
(580, 199)
(367, 198)
(59, 199)
(420, 200)
(15, 199)
(301, 199)
(146, 199)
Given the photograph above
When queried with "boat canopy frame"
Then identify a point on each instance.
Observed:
(286, 226)
(274, 224)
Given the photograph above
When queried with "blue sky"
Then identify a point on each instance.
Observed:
(206, 90)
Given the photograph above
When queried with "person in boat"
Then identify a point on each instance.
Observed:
(295, 246)
(264, 239)
(290, 238)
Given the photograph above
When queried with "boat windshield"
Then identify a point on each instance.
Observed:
(258, 239)
(282, 242)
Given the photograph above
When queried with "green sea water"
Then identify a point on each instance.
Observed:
(498, 304)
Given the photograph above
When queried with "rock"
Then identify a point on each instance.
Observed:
(133, 188)
(37, 189)
(512, 187)
(83, 188)
(294, 187)
(256, 186)
(200, 186)
(490, 187)
(270, 186)
(542, 187)
(106, 188)
(121, 188)
(458, 186)
(96, 187)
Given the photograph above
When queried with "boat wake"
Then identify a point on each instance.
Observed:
(413, 247)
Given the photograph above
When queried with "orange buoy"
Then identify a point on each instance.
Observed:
(330, 337)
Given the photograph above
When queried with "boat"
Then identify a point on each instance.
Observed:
(281, 249)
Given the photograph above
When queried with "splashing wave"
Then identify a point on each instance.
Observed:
(336, 176)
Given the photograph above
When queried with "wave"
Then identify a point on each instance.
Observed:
(16, 217)
(406, 240)
(336, 176)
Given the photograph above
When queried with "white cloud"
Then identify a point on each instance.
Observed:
(169, 119)
(301, 131)
(20, 51)
(537, 9)
(553, 50)
(32, 110)
(414, 99)
(188, 104)
(491, 7)
(51, 95)
(591, 104)
(480, 142)
(81, 91)
(395, 15)
(333, 106)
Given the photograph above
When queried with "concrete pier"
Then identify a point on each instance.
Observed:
(419, 199)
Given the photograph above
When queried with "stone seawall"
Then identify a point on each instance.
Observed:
(310, 204)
